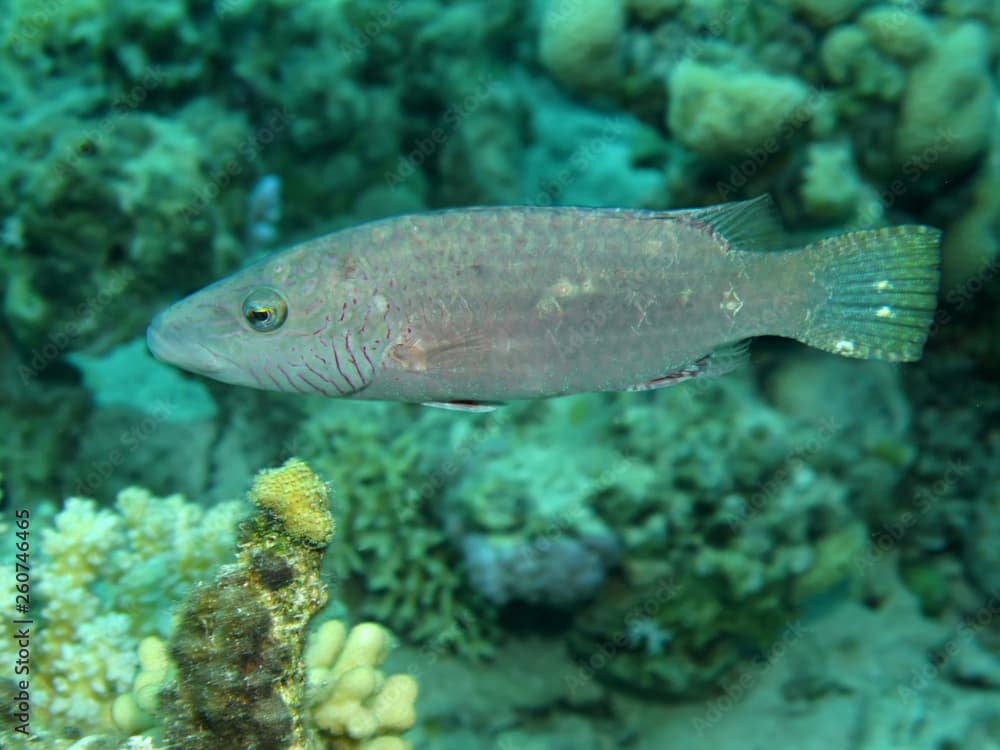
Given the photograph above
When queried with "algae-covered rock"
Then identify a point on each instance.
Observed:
(824, 13)
(298, 499)
(579, 42)
(850, 60)
(948, 112)
(722, 112)
(898, 31)
(238, 645)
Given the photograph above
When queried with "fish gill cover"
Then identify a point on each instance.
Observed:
(805, 548)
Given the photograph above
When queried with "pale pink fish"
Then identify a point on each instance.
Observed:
(471, 307)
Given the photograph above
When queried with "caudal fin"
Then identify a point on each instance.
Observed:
(882, 289)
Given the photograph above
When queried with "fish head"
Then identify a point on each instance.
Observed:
(253, 327)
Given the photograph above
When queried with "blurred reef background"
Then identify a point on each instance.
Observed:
(808, 550)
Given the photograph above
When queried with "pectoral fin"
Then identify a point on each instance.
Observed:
(423, 354)
(474, 407)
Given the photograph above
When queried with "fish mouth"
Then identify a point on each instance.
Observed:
(170, 346)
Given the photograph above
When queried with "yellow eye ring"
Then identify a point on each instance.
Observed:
(264, 309)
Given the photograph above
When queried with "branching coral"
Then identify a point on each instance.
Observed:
(393, 552)
(103, 576)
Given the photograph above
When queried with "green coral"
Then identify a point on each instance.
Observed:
(746, 512)
(579, 43)
(394, 558)
(948, 115)
(719, 112)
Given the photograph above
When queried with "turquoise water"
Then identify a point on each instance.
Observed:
(801, 553)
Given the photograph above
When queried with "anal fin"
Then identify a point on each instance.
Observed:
(725, 358)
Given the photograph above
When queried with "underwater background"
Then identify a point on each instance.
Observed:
(802, 554)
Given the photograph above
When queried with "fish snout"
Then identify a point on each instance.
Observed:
(174, 346)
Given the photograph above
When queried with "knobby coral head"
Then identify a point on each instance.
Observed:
(298, 499)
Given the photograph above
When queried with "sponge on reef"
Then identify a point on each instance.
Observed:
(298, 499)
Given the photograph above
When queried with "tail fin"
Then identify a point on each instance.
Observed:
(881, 292)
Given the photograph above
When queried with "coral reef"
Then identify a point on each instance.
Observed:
(350, 701)
(579, 43)
(719, 546)
(298, 499)
(144, 191)
(234, 674)
(394, 562)
(153, 549)
(670, 539)
(524, 518)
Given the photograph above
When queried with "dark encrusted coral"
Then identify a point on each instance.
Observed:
(229, 666)
(238, 642)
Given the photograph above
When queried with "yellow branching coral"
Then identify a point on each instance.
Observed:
(103, 576)
(297, 498)
(353, 704)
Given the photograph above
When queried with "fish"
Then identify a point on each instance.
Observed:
(469, 308)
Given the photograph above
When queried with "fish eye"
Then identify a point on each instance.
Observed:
(264, 309)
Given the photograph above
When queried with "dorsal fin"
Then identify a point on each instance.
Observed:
(749, 225)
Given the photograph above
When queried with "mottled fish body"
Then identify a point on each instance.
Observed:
(481, 305)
